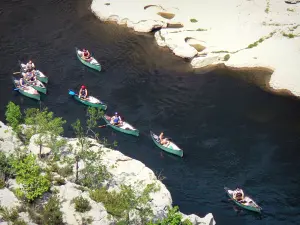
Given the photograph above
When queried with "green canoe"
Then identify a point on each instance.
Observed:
(93, 63)
(125, 128)
(39, 75)
(90, 101)
(27, 91)
(170, 148)
(38, 85)
(247, 203)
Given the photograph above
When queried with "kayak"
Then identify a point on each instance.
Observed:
(39, 75)
(247, 203)
(125, 127)
(26, 91)
(38, 85)
(93, 63)
(89, 101)
(170, 147)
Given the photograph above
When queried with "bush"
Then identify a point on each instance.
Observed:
(60, 181)
(65, 171)
(11, 215)
(119, 204)
(2, 183)
(49, 214)
(13, 116)
(28, 173)
(193, 20)
(81, 204)
(173, 218)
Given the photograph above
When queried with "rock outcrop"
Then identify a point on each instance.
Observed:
(238, 33)
(124, 171)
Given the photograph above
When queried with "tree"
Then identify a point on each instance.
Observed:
(48, 128)
(94, 172)
(13, 116)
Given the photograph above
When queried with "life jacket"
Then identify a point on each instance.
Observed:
(116, 119)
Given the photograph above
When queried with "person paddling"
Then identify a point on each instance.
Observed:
(116, 120)
(29, 66)
(22, 83)
(30, 77)
(238, 194)
(86, 55)
(163, 140)
(83, 93)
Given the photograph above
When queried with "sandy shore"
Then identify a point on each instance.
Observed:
(238, 33)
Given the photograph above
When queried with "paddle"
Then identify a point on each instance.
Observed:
(17, 72)
(16, 89)
(105, 125)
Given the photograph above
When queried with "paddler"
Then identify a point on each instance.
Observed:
(238, 194)
(83, 93)
(162, 139)
(116, 119)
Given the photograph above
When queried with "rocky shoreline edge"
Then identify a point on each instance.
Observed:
(238, 34)
(124, 171)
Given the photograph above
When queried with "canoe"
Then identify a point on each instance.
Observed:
(125, 127)
(89, 101)
(27, 91)
(248, 203)
(170, 148)
(39, 75)
(93, 63)
(38, 85)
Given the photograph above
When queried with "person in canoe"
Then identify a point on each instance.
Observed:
(116, 120)
(22, 83)
(163, 140)
(30, 77)
(83, 93)
(86, 55)
(29, 66)
(238, 194)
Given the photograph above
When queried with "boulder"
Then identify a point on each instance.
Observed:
(67, 193)
(196, 220)
(8, 199)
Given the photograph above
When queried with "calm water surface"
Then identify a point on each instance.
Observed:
(232, 132)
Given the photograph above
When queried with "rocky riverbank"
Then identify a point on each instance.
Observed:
(123, 170)
(239, 34)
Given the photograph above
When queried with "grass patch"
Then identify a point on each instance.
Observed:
(200, 29)
(290, 35)
(193, 20)
(226, 57)
(267, 10)
(81, 204)
(220, 51)
(290, 10)
(11, 215)
(254, 44)
(65, 171)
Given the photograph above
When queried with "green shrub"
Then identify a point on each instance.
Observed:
(81, 204)
(13, 116)
(60, 181)
(173, 218)
(65, 171)
(200, 29)
(49, 214)
(193, 20)
(226, 57)
(11, 215)
(290, 35)
(119, 204)
(2, 183)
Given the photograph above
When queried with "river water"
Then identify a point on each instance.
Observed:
(232, 132)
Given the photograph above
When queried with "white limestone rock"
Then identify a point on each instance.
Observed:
(8, 199)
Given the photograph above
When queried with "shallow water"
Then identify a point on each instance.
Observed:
(232, 132)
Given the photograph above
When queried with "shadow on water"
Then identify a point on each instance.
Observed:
(232, 132)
